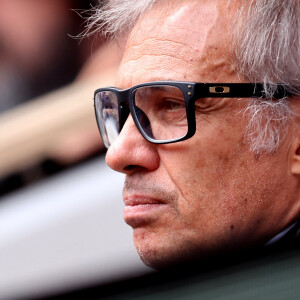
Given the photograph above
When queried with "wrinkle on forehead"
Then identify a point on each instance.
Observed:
(164, 47)
(154, 58)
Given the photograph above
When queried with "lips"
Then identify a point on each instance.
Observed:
(140, 200)
(140, 209)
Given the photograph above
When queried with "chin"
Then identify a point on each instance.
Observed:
(160, 253)
(157, 259)
(161, 250)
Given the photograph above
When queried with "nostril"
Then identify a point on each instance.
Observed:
(131, 167)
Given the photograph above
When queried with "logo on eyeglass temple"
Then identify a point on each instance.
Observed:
(219, 89)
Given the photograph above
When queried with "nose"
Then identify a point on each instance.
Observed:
(131, 152)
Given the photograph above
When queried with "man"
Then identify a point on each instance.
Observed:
(210, 168)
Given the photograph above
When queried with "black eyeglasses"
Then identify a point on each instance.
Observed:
(163, 111)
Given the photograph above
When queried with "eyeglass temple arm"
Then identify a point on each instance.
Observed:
(236, 90)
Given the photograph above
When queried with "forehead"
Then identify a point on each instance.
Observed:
(186, 40)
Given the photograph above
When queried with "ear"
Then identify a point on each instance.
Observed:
(295, 167)
(295, 149)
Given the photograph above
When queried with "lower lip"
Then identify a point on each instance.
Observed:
(142, 213)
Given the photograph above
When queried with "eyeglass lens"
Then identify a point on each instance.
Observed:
(107, 114)
(159, 110)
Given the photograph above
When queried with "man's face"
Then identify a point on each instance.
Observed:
(208, 193)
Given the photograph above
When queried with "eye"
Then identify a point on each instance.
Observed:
(173, 104)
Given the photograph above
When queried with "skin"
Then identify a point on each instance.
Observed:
(210, 193)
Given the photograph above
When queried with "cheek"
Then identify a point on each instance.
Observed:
(224, 194)
(204, 161)
(212, 176)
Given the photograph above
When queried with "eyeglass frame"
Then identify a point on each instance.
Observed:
(192, 91)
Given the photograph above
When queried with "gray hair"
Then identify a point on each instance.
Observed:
(267, 50)
(116, 17)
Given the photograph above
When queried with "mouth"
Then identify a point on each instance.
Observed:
(140, 210)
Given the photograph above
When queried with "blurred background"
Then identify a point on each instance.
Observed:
(61, 212)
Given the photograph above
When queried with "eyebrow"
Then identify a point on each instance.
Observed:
(154, 88)
(153, 79)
